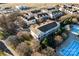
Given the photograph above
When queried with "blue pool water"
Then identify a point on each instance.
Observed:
(71, 50)
(70, 47)
(75, 29)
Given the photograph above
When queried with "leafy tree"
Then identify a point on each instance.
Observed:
(66, 21)
(45, 41)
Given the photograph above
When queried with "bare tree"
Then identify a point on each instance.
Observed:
(24, 49)
(24, 35)
(58, 39)
(12, 41)
(3, 21)
(48, 51)
(37, 54)
(35, 45)
(21, 22)
(75, 20)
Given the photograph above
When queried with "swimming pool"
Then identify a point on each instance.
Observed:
(75, 29)
(70, 47)
(71, 50)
